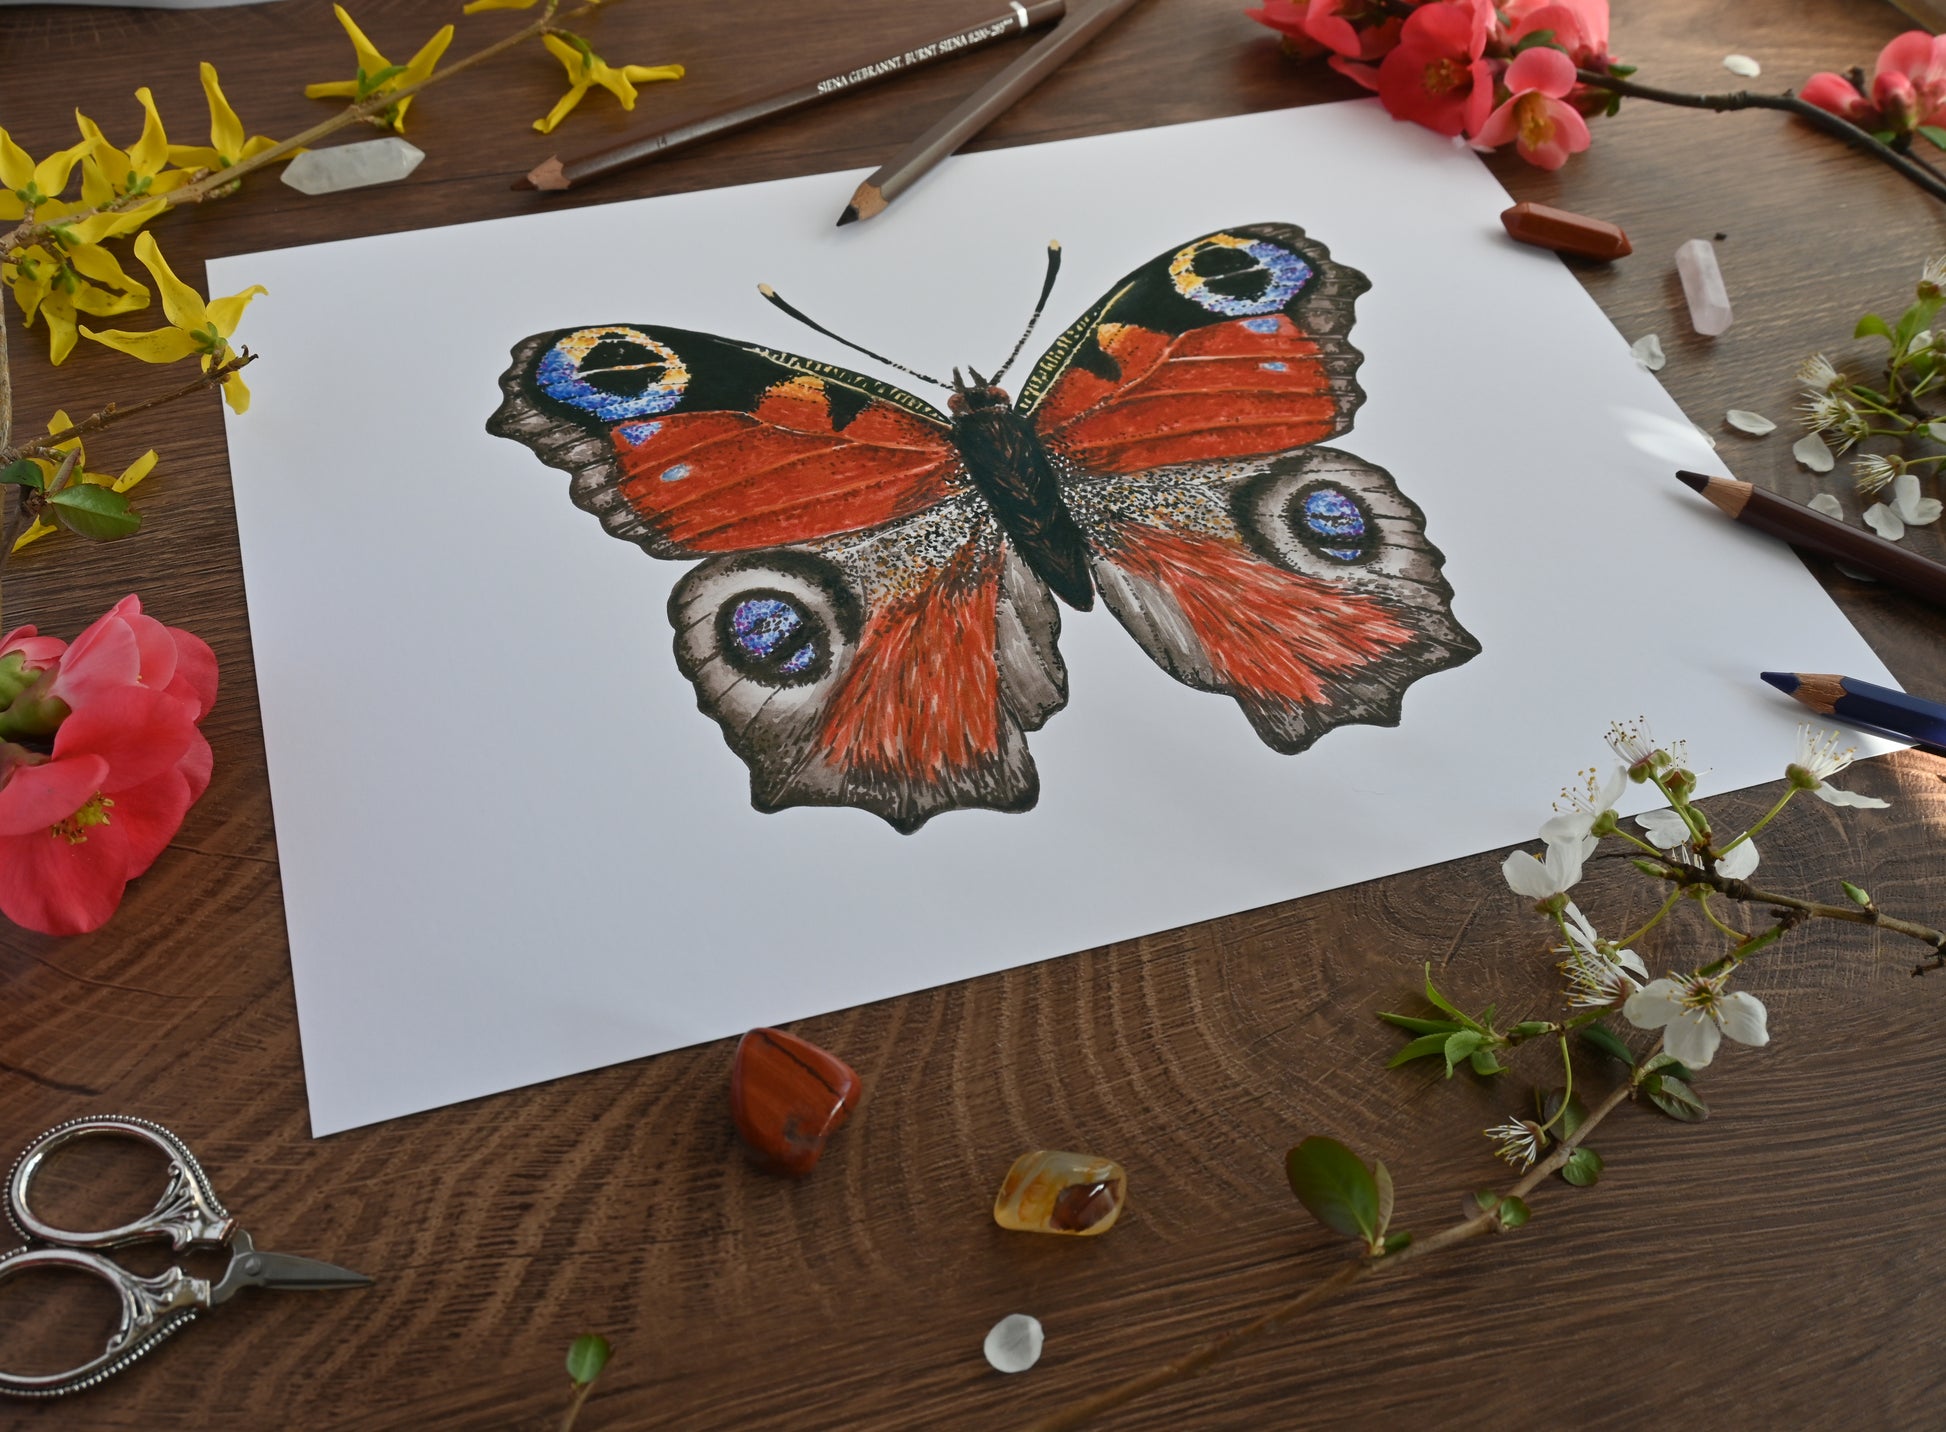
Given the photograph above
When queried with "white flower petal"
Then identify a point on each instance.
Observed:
(1648, 352)
(1744, 1019)
(1665, 829)
(1632, 962)
(1569, 825)
(1527, 876)
(1814, 453)
(1565, 858)
(1742, 65)
(1923, 513)
(1831, 795)
(1606, 797)
(1827, 504)
(1884, 521)
(1745, 421)
(1905, 493)
(1738, 864)
(1654, 1005)
(1706, 437)
(1692, 1038)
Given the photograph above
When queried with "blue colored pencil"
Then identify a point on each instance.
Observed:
(1877, 709)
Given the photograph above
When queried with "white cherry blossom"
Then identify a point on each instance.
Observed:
(1818, 759)
(1694, 1014)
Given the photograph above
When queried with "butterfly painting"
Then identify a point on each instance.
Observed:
(875, 614)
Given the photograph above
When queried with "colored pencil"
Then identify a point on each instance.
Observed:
(905, 168)
(554, 174)
(1878, 709)
(1814, 532)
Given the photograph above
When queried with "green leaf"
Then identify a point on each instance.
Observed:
(1334, 1187)
(1383, 1178)
(1539, 37)
(1671, 1066)
(1606, 1041)
(1484, 1064)
(1424, 1047)
(1907, 325)
(1675, 1098)
(587, 1357)
(1395, 1241)
(23, 474)
(1420, 1026)
(1622, 72)
(1870, 326)
(1575, 1117)
(1583, 1168)
(1460, 1045)
(1440, 1002)
(1513, 1212)
(1935, 134)
(98, 513)
(1852, 892)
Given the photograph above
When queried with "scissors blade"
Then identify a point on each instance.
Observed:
(286, 1270)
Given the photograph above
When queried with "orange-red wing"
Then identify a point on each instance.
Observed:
(1236, 389)
(896, 670)
(782, 473)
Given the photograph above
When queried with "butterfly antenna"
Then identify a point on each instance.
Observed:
(1047, 287)
(778, 299)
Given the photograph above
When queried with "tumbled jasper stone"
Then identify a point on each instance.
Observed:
(1565, 232)
(787, 1097)
(1051, 1192)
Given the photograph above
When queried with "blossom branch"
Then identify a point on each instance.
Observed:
(114, 412)
(1745, 893)
(1817, 118)
(1081, 1413)
(219, 180)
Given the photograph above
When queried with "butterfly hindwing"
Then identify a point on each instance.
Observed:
(690, 444)
(1232, 345)
(1301, 584)
(895, 670)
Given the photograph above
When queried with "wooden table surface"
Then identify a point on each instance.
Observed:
(1778, 1265)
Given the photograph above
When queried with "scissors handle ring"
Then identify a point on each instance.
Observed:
(152, 1309)
(188, 1213)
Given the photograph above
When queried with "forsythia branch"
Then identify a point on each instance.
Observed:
(114, 412)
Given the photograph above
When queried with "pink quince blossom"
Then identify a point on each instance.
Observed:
(1908, 88)
(1436, 76)
(1545, 127)
(123, 647)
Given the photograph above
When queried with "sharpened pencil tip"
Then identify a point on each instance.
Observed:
(1784, 681)
(766, 290)
(1693, 479)
(850, 215)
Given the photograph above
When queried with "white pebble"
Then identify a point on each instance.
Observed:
(1648, 352)
(1745, 421)
(1014, 1345)
(1742, 65)
(1814, 453)
(1827, 504)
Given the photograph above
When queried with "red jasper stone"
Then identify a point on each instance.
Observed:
(1566, 232)
(787, 1097)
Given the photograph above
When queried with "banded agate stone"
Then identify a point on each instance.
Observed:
(788, 1097)
(1047, 1191)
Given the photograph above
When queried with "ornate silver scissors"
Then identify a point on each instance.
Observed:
(188, 1215)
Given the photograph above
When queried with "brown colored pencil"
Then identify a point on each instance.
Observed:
(554, 174)
(916, 159)
(1814, 532)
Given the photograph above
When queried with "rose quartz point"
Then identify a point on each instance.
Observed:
(1702, 285)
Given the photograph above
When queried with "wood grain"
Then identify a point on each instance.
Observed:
(1773, 1267)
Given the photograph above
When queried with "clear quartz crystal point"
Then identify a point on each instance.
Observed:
(352, 166)
(1702, 285)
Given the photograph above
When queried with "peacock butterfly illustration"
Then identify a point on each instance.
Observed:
(873, 620)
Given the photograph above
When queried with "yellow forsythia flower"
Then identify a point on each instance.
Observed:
(478, 5)
(29, 183)
(586, 69)
(56, 286)
(131, 474)
(195, 327)
(227, 145)
(372, 65)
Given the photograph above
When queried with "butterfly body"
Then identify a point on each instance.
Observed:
(872, 618)
(1021, 481)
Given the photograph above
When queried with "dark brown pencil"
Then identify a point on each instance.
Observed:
(556, 174)
(1814, 532)
(916, 159)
